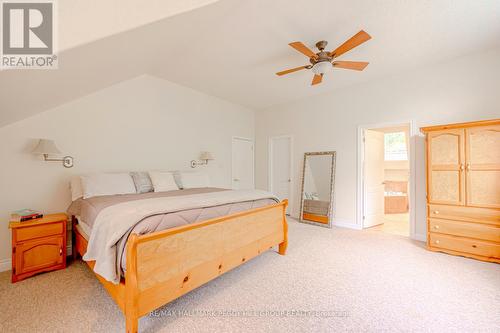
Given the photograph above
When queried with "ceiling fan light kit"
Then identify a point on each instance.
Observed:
(323, 62)
(321, 67)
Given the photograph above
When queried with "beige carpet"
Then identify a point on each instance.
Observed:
(363, 281)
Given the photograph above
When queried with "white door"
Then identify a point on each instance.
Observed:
(373, 179)
(280, 172)
(243, 164)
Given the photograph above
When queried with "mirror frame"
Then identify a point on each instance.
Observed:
(332, 188)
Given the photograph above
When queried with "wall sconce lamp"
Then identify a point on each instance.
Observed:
(205, 156)
(48, 147)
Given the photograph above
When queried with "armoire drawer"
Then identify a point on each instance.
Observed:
(463, 213)
(465, 245)
(465, 229)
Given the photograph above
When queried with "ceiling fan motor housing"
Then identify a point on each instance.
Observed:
(321, 55)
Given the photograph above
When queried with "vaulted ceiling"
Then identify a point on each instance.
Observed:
(232, 48)
(84, 21)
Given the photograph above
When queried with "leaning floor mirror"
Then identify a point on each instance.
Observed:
(318, 180)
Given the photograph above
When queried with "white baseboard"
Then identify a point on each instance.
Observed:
(5, 265)
(346, 224)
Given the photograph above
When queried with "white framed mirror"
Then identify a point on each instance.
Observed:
(318, 183)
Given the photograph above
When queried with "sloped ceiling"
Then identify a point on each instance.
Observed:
(85, 21)
(232, 48)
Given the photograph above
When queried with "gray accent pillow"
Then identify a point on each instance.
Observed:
(142, 182)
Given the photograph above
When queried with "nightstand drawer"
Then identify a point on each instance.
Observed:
(39, 231)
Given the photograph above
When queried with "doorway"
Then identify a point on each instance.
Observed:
(243, 164)
(280, 168)
(386, 184)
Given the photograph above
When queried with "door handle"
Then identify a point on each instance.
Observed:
(236, 180)
(461, 167)
(468, 166)
(60, 251)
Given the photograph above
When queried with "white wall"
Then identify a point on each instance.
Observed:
(141, 124)
(464, 89)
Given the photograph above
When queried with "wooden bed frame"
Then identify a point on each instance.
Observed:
(165, 265)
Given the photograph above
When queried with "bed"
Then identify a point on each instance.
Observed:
(157, 262)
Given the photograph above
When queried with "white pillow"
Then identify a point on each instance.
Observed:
(194, 180)
(163, 181)
(177, 178)
(107, 184)
(76, 188)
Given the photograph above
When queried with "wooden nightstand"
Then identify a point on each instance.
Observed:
(38, 246)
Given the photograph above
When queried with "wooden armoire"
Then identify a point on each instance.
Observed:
(463, 189)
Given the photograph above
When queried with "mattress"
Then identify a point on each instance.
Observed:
(83, 228)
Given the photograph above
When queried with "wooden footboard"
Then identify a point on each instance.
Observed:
(165, 265)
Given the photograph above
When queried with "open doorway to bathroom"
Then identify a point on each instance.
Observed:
(386, 179)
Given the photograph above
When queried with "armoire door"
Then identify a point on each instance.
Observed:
(446, 167)
(483, 166)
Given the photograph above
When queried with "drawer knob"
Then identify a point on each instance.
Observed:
(437, 242)
(436, 212)
(436, 227)
(474, 245)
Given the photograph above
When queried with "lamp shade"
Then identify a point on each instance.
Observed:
(206, 155)
(46, 147)
(322, 67)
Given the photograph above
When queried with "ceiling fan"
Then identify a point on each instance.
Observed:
(321, 62)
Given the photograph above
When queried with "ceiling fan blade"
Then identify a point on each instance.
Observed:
(299, 46)
(351, 43)
(288, 71)
(316, 79)
(356, 65)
